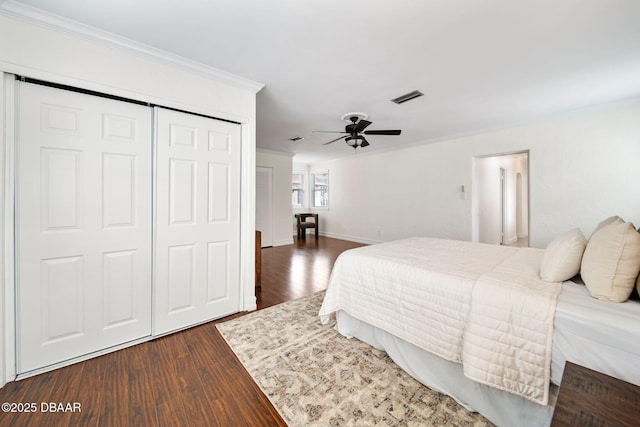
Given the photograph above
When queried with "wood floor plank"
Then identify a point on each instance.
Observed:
(90, 392)
(65, 397)
(213, 370)
(116, 399)
(187, 378)
(228, 412)
(142, 409)
(165, 383)
(17, 392)
(194, 398)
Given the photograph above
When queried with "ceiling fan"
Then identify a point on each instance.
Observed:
(356, 129)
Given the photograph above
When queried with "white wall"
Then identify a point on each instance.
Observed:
(61, 57)
(582, 168)
(282, 211)
(42, 53)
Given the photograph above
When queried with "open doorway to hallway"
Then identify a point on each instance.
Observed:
(501, 199)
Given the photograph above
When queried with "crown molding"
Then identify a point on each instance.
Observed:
(39, 17)
(275, 152)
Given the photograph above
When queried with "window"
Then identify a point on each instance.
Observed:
(297, 192)
(320, 189)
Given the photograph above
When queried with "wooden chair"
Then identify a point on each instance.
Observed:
(302, 223)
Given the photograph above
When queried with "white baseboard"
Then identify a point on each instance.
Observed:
(350, 238)
(283, 242)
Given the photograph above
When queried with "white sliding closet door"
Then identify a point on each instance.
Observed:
(198, 220)
(84, 224)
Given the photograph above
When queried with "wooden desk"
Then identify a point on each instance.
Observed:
(589, 398)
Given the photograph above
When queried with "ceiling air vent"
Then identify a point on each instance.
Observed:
(295, 138)
(407, 97)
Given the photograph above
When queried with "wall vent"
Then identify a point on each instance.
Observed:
(407, 97)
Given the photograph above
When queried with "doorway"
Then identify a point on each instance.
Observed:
(501, 199)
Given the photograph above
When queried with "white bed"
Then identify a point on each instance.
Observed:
(599, 335)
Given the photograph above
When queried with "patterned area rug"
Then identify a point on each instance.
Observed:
(316, 377)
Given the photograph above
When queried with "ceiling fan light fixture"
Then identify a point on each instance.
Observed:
(354, 131)
(356, 141)
(407, 97)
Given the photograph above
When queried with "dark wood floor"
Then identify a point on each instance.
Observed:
(187, 378)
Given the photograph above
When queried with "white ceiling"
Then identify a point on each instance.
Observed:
(482, 64)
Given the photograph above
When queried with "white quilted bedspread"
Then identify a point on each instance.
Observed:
(480, 305)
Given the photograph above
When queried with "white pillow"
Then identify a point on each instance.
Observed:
(611, 262)
(611, 220)
(562, 257)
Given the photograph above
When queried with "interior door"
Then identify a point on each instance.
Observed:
(198, 220)
(83, 224)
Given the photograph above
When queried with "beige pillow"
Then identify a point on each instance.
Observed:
(611, 262)
(562, 257)
(608, 221)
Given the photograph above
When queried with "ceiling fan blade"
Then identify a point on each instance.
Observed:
(383, 132)
(361, 125)
(330, 131)
(334, 140)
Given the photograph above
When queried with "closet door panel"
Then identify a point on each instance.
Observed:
(197, 219)
(182, 192)
(119, 288)
(119, 192)
(62, 313)
(61, 189)
(83, 224)
(181, 281)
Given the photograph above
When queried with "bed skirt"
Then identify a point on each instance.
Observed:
(501, 408)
